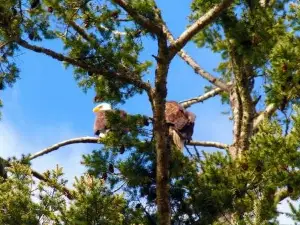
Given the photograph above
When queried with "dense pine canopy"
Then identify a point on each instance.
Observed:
(153, 182)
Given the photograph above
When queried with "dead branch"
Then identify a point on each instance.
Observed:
(187, 103)
(92, 140)
(96, 140)
(204, 20)
(209, 144)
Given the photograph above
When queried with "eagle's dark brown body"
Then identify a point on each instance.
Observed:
(101, 122)
(181, 123)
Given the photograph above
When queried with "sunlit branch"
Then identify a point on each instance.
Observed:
(204, 20)
(280, 195)
(89, 38)
(92, 140)
(187, 103)
(269, 111)
(209, 144)
(130, 78)
(96, 140)
(115, 32)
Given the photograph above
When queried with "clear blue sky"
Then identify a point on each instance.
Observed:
(46, 106)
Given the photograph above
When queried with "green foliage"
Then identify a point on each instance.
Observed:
(23, 201)
(204, 189)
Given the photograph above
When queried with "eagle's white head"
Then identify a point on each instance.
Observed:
(102, 107)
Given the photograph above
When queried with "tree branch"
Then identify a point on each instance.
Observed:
(269, 111)
(95, 140)
(92, 140)
(115, 32)
(201, 98)
(280, 195)
(130, 78)
(62, 189)
(209, 144)
(143, 21)
(197, 68)
(204, 20)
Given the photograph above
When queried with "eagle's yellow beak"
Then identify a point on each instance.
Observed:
(96, 109)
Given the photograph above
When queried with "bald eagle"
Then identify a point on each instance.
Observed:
(181, 123)
(101, 126)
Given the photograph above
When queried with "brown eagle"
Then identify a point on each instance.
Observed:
(181, 123)
(101, 126)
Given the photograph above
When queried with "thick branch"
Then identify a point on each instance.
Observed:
(201, 98)
(204, 20)
(92, 140)
(130, 78)
(143, 21)
(96, 140)
(209, 144)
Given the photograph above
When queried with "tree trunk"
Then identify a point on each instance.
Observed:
(161, 135)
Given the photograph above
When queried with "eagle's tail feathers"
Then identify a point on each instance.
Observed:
(103, 134)
(177, 140)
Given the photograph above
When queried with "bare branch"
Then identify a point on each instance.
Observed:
(143, 21)
(209, 144)
(96, 140)
(130, 78)
(204, 20)
(197, 68)
(201, 98)
(269, 111)
(92, 140)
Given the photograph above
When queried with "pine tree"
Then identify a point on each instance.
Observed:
(260, 46)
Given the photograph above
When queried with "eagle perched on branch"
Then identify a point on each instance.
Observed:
(101, 126)
(181, 123)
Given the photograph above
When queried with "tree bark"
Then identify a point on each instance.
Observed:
(161, 134)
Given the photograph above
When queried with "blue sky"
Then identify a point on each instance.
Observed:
(46, 106)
